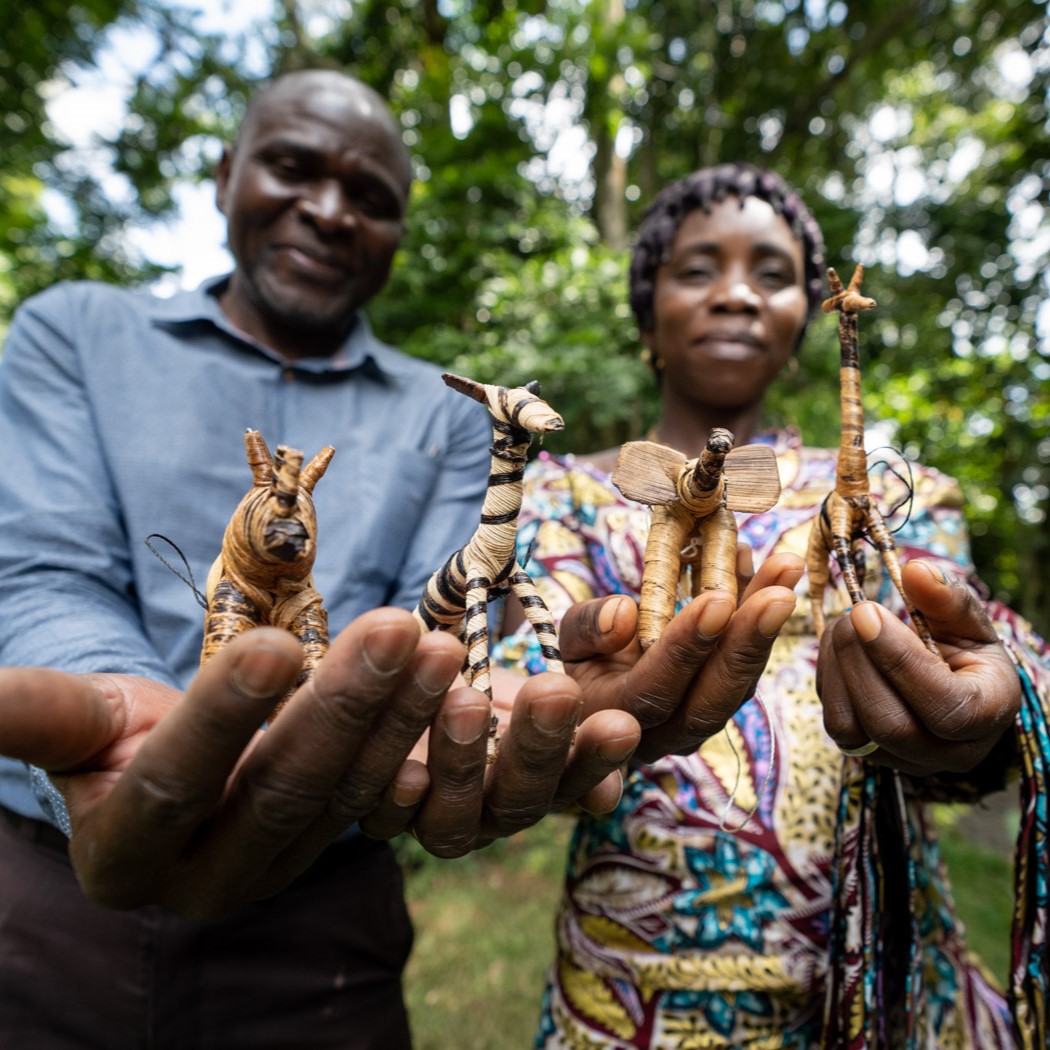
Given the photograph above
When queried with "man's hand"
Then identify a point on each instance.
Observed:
(880, 686)
(546, 762)
(181, 800)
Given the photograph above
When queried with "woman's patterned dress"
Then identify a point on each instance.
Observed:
(766, 892)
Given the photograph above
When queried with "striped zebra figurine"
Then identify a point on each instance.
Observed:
(457, 596)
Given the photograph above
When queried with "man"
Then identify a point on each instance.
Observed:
(123, 416)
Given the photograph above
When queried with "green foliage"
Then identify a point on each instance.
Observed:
(915, 132)
(561, 319)
(38, 43)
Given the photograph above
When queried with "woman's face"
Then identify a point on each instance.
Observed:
(729, 305)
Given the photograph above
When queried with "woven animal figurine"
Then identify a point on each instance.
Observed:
(849, 515)
(457, 596)
(693, 529)
(263, 575)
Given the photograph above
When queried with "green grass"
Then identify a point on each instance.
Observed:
(485, 930)
(484, 937)
(982, 882)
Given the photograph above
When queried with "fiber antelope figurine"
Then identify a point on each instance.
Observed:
(693, 527)
(457, 596)
(849, 515)
(263, 575)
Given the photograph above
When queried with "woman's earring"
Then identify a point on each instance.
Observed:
(653, 360)
(791, 368)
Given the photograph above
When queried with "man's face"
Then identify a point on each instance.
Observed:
(314, 196)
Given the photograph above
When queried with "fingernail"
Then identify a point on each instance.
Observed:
(607, 809)
(405, 795)
(466, 724)
(607, 615)
(386, 649)
(617, 750)
(773, 617)
(745, 561)
(714, 616)
(936, 573)
(866, 621)
(553, 715)
(254, 672)
(435, 676)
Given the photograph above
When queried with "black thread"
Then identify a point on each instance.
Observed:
(202, 601)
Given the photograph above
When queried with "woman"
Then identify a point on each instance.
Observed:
(766, 891)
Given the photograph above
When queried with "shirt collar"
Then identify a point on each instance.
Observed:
(200, 305)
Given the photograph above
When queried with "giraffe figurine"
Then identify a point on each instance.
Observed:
(263, 574)
(849, 515)
(458, 595)
(693, 531)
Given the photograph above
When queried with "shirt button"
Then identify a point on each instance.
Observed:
(288, 375)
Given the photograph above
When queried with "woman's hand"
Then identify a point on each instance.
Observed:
(708, 661)
(564, 739)
(881, 687)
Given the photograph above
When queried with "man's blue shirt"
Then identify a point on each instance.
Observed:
(123, 415)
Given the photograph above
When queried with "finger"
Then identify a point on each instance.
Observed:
(653, 688)
(597, 627)
(859, 705)
(127, 846)
(399, 804)
(745, 566)
(335, 747)
(778, 570)
(408, 705)
(604, 743)
(604, 797)
(724, 675)
(887, 717)
(532, 754)
(974, 699)
(450, 819)
(55, 720)
(840, 720)
(954, 612)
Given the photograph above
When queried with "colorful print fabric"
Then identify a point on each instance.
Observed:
(765, 892)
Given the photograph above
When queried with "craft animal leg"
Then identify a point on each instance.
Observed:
(884, 544)
(310, 626)
(663, 550)
(859, 554)
(230, 613)
(843, 515)
(538, 615)
(476, 639)
(718, 534)
(818, 552)
(476, 633)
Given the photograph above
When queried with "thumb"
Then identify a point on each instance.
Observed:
(56, 720)
(597, 627)
(952, 610)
